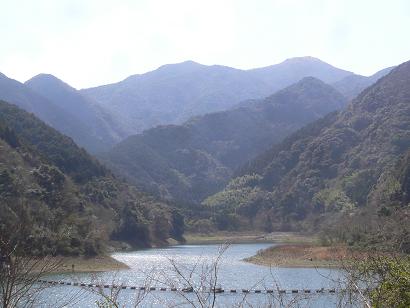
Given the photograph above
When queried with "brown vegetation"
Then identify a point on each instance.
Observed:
(303, 255)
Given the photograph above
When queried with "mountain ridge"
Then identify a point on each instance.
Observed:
(328, 167)
(173, 93)
(194, 159)
(102, 127)
(30, 100)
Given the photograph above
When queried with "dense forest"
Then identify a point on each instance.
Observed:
(330, 169)
(186, 163)
(295, 160)
(57, 199)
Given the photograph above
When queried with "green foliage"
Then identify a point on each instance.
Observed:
(336, 169)
(51, 205)
(57, 148)
(202, 226)
(133, 226)
(178, 225)
(189, 162)
(390, 277)
(358, 185)
(333, 200)
(9, 136)
(7, 184)
(394, 290)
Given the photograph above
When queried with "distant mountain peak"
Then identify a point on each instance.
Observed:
(312, 84)
(47, 80)
(172, 68)
(44, 76)
(303, 59)
(180, 66)
(183, 63)
(310, 80)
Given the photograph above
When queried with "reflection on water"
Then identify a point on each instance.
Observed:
(154, 267)
(234, 273)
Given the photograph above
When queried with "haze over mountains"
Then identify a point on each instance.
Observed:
(104, 128)
(242, 151)
(98, 118)
(329, 168)
(193, 160)
(174, 93)
(352, 85)
(65, 109)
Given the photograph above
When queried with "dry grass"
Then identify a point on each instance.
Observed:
(247, 237)
(303, 255)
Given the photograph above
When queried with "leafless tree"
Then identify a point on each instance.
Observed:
(20, 275)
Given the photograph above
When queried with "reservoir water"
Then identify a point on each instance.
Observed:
(183, 266)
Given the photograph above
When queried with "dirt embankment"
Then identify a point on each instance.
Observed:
(301, 255)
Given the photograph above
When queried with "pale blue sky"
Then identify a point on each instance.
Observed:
(93, 42)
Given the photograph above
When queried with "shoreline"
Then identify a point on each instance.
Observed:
(106, 263)
(96, 264)
(300, 255)
(248, 238)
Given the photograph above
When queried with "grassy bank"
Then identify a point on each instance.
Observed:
(248, 237)
(300, 255)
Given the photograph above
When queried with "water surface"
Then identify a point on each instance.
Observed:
(184, 265)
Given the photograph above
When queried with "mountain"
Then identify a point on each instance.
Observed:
(352, 85)
(65, 110)
(102, 127)
(191, 161)
(57, 199)
(291, 70)
(174, 93)
(326, 169)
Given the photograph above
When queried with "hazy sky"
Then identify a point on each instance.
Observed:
(88, 43)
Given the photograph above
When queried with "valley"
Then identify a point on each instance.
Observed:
(302, 164)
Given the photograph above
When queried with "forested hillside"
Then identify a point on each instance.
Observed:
(192, 161)
(384, 222)
(55, 198)
(328, 168)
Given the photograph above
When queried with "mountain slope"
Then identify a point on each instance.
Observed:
(174, 93)
(99, 124)
(191, 161)
(55, 198)
(352, 85)
(328, 167)
(54, 115)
